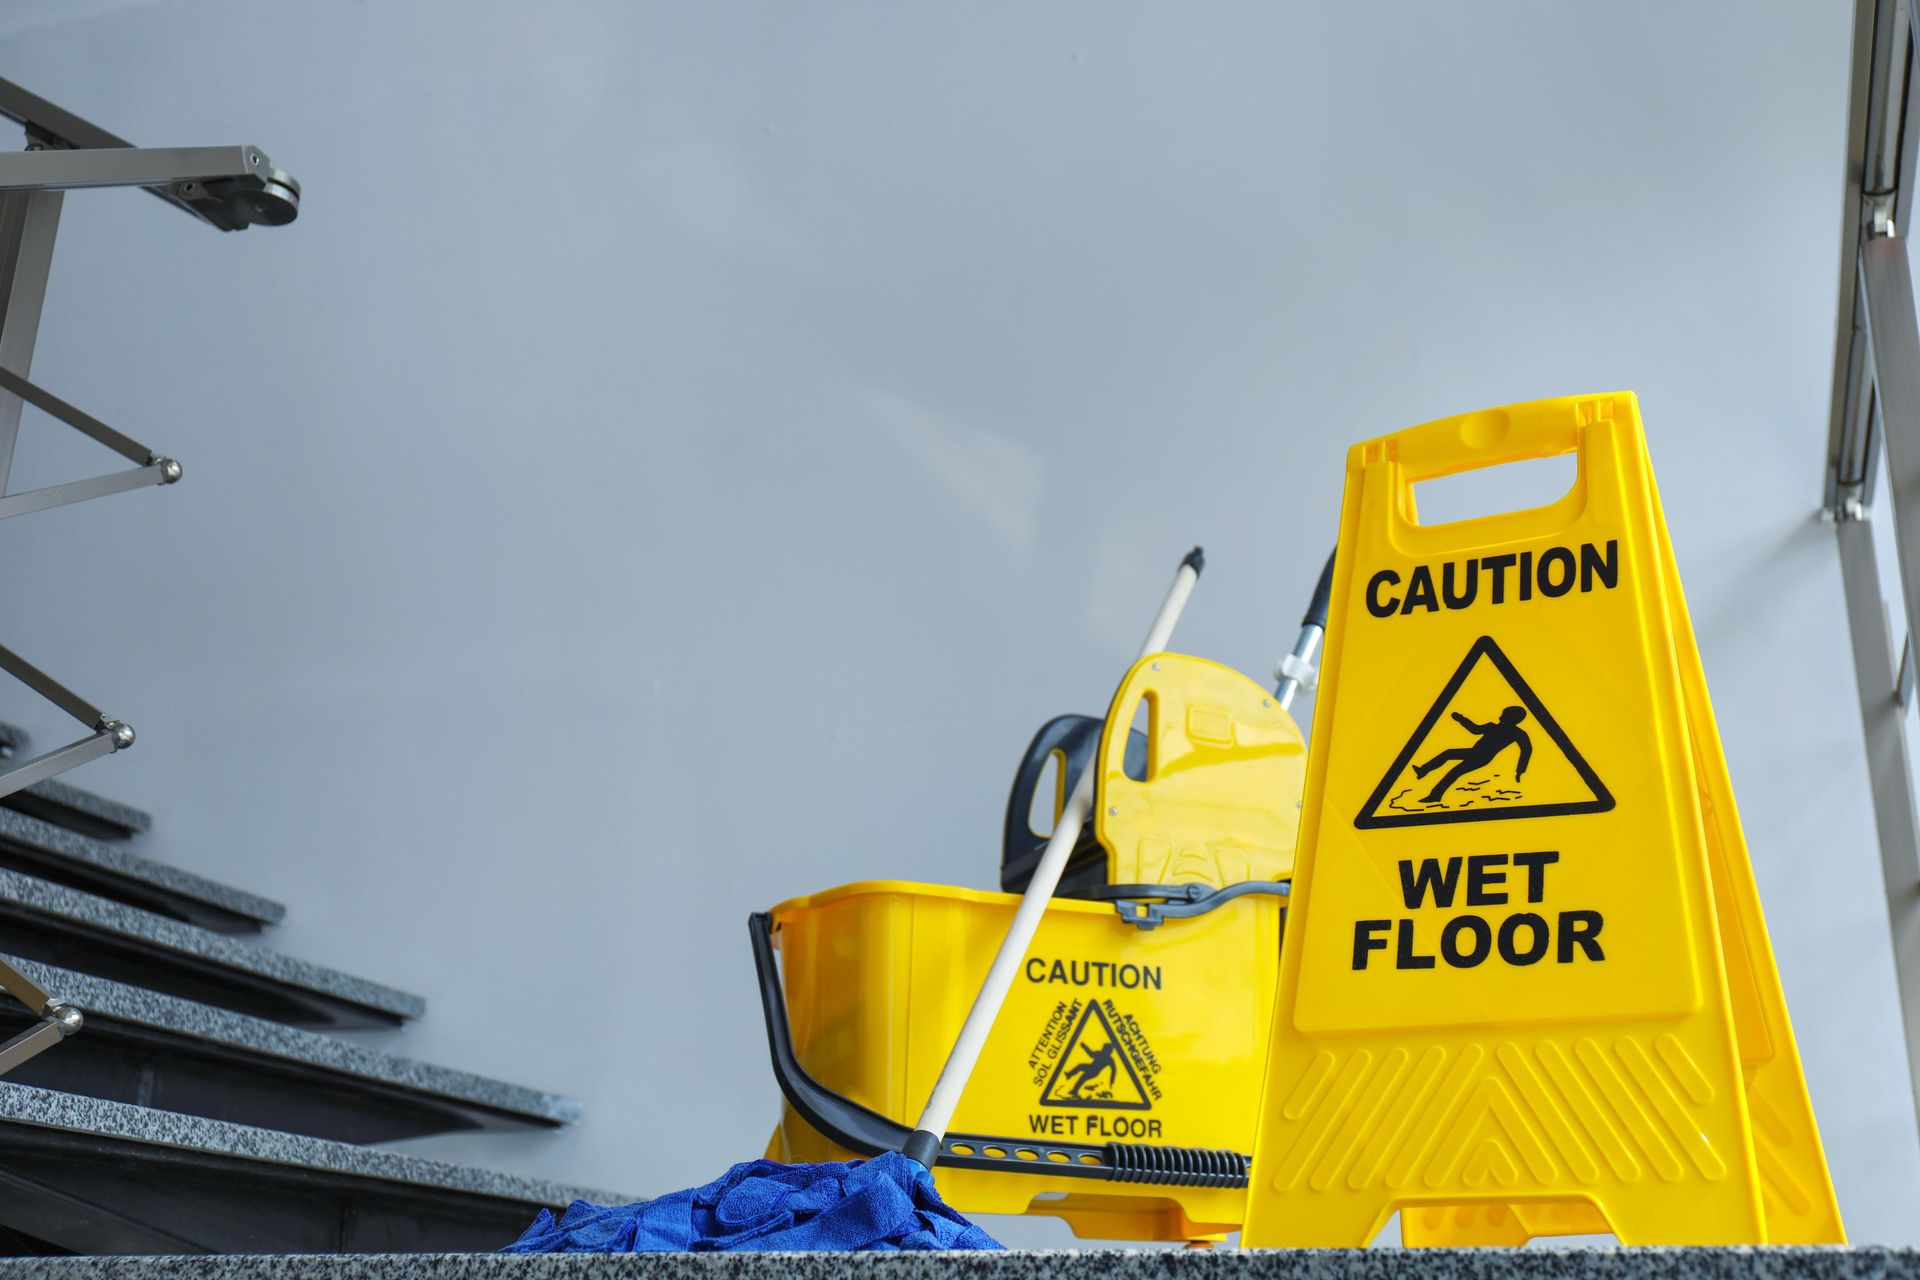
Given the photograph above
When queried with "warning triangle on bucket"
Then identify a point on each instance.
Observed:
(1095, 1070)
(1487, 749)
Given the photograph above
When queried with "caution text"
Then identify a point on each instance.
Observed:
(1517, 576)
(1094, 973)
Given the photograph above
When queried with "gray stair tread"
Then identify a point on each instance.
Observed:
(13, 740)
(49, 1109)
(83, 1175)
(208, 951)
(106, 868)
(101, 998)
(79, 806)
(1772, 1263)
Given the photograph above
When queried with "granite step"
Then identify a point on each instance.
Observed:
(79, 810)
(142, 1047)
(64, 804)
(84, 1175)
(60, 926)
(1581, 1263)
(49, 852)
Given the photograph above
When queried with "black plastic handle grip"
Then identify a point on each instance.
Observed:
(1077, 739)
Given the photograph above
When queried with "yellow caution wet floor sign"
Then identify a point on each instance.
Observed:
(1525, 987)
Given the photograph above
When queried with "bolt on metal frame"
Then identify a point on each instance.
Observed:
(1876, 409)
(230, 188)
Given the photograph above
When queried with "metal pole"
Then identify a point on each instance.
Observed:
(937, 1115)
(28, 222)
(1297, 670)
(66, 170)
(1893, 339)
(1889, 770)
(109, 738)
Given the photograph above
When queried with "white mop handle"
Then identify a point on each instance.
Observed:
(1033, 904)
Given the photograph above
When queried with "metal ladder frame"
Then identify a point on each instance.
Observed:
(230, 188)
(1876, 407)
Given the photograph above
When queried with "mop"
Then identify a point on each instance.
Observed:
(888, 1202)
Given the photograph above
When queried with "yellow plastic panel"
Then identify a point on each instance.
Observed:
(1796, 1189)
(1518, 1010)
(1225, 768)
(1112, 1033)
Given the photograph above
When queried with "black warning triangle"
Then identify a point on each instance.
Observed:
(1469, 768)
(1094, 1070)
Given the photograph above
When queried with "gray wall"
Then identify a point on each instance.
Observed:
(683, 450)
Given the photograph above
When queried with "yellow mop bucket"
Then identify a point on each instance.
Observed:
(1120, 1083)
(1128, 1054)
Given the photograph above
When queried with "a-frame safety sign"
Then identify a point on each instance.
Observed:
(1514, 761)
(1565, 1022)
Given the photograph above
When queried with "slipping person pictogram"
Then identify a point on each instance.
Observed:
(1439, 777)
(1099, 1061)
(1493, 739)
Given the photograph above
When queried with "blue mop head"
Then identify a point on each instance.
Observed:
(888, 1202)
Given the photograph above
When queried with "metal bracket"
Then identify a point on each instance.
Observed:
(152, 469)
(108, 735)
(1876, 214)
(57, 1020)
(231, 188)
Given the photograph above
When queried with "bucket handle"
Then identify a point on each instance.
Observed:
(1075, 739)
(862, 1129)
(1148, 906)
